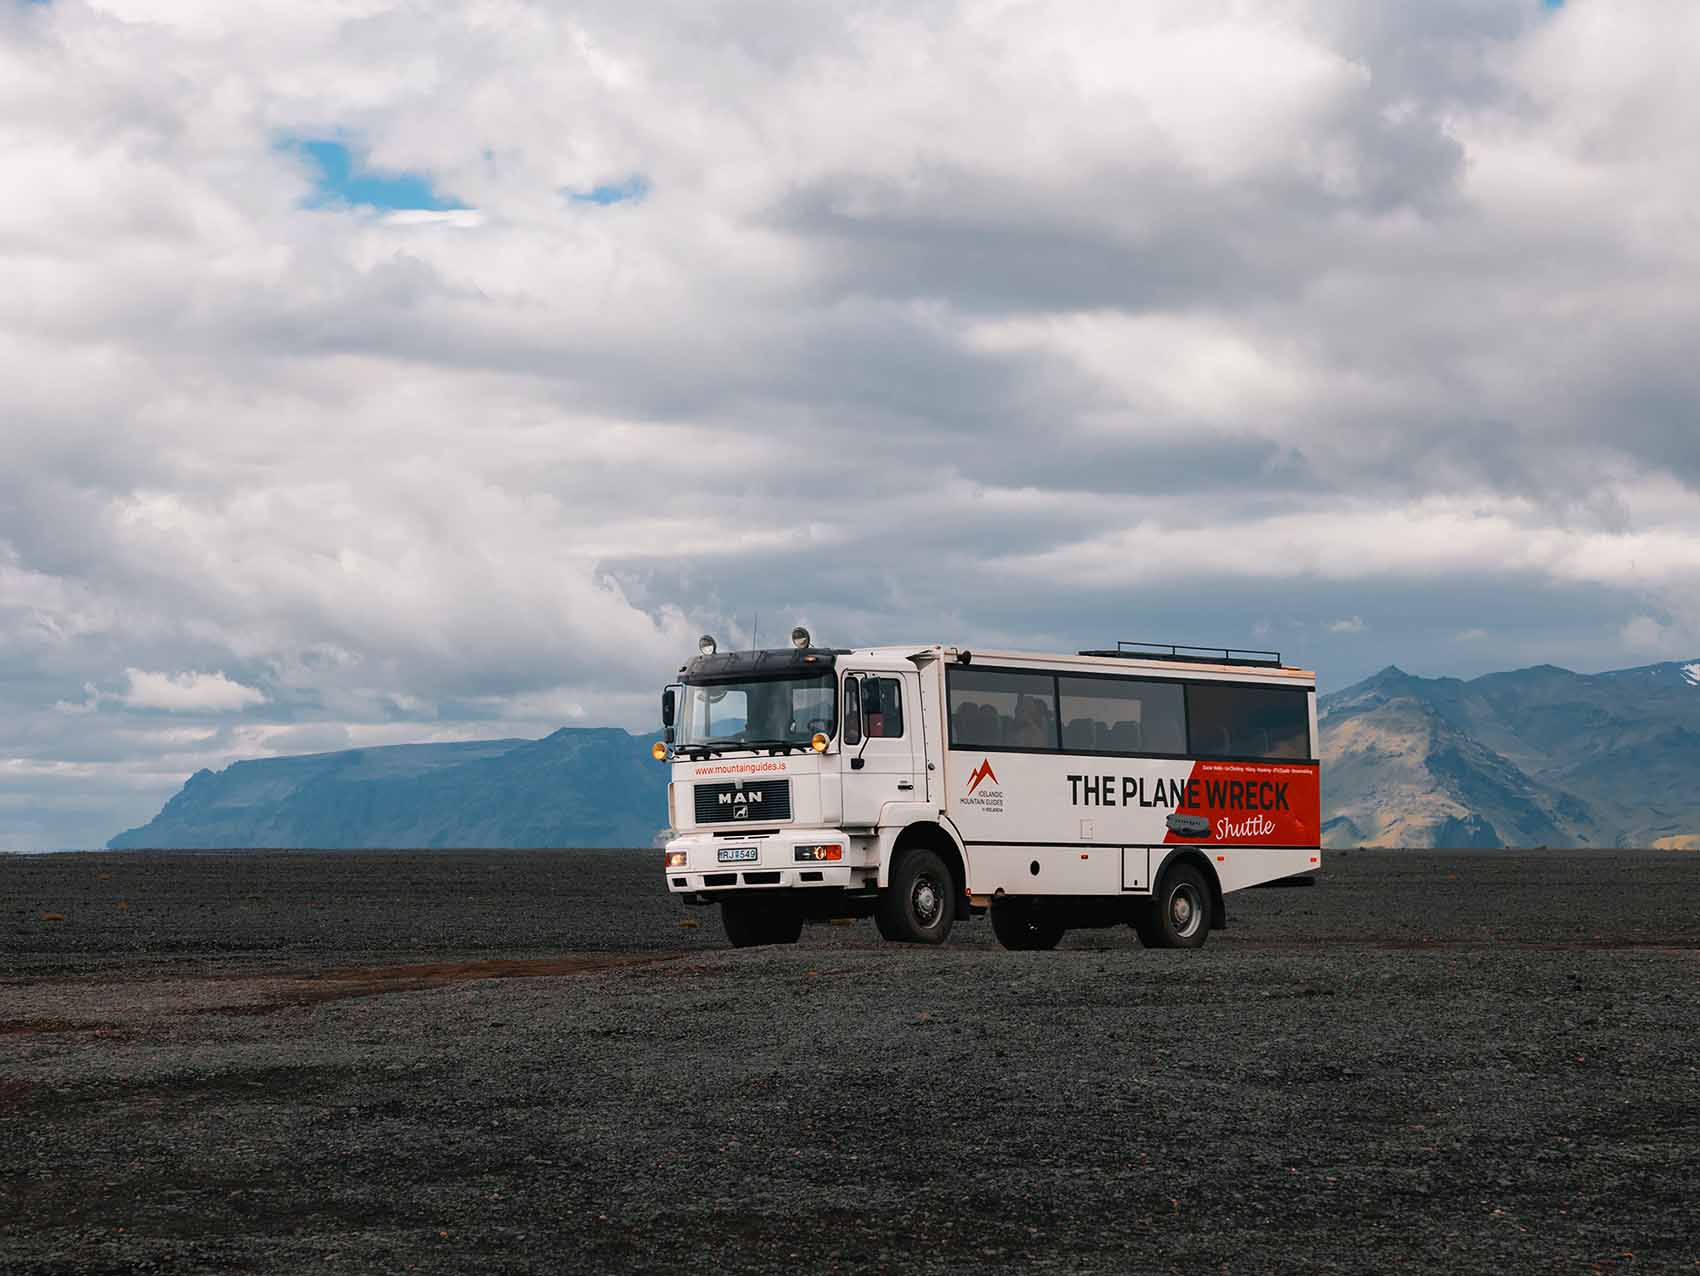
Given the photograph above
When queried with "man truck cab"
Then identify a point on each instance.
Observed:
(925, 785)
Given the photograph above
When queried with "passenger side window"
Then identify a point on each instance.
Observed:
(882, 708)
(1119, 715)
(991, 708)
(852, 711)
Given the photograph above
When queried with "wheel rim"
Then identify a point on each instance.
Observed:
(1186, 912)
(927, 901)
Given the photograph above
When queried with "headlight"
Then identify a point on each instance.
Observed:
(818, 854)
(675, 859)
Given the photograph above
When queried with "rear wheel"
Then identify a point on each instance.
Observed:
(918, 906)
(1178, 915)
(1022, 925)
(752, 923)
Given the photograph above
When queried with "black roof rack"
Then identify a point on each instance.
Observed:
(1198, 655)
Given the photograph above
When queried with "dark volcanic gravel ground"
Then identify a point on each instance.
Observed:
(519, 1061)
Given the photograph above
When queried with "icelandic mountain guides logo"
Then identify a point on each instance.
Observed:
(984, 793)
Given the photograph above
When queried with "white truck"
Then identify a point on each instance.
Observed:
(923, 785)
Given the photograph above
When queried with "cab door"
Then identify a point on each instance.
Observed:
(881, 744)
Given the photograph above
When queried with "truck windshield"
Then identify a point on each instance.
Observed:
(758, 712)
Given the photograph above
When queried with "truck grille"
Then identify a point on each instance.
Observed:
(763, 800)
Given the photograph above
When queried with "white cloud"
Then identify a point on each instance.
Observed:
(1358, 540)
(1350, 625)
(188, 692)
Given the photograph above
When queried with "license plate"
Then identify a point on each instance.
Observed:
(736, 855)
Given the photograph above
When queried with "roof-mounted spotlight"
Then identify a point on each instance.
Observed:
(799, 637)
(705, 644)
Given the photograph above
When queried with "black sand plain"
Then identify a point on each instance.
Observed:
(533, 1061)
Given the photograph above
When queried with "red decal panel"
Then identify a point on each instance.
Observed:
(1248, 803)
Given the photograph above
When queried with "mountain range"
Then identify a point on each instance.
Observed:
(581, 786)
(1532, 757)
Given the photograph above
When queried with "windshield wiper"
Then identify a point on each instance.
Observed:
(787, 745)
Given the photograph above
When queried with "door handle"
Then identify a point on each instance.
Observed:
(905, 784)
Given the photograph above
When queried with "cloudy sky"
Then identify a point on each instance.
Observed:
(381, 371)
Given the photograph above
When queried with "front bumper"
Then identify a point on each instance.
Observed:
(775, 866)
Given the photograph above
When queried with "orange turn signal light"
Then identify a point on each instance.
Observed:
(658, 751)
(826, 853)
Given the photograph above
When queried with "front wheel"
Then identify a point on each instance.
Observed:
(1023, 925)
(753, 923)
(918, 906)
(1178, 915)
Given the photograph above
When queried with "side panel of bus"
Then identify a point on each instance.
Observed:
(1072, 816)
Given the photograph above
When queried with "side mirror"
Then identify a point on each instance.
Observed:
(852, 734)
(667, 710)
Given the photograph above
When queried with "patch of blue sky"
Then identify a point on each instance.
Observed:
(631, 190)
(341, 179)
(1552, 4)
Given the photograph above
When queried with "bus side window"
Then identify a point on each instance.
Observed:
(1122, 715)
(1002, 708)
(1229, 720)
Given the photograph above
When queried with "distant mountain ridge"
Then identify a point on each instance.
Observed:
(1532, 757)
(581, 786)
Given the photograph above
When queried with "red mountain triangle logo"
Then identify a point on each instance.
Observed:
(981, 773)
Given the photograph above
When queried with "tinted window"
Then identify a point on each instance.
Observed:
(852, 711)
(882, 707)
(1122, 716)
(992, 709)
(1248, 722)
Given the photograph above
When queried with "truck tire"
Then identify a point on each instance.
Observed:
(1178, 915)
(918, 905)
(1022, 926)
(753, 923)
